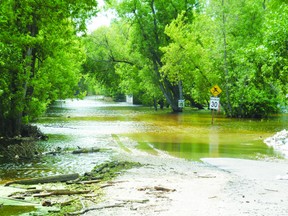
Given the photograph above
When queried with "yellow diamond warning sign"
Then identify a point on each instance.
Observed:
(215, 90)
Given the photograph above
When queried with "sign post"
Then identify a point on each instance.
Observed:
(215, 101)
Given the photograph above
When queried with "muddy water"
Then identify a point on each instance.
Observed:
(95, 123)
(192, 136)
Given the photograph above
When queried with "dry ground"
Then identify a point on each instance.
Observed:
(167, 186)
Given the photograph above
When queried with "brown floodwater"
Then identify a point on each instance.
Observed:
(93, 122)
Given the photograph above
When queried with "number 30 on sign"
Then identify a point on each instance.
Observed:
(214, 103)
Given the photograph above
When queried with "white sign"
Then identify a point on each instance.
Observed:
(181, 103)
(214, 103)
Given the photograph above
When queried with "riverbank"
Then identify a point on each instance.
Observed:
(219, 186)
(168, 186)
(165, 185)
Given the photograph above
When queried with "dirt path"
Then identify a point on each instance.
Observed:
(167, 186)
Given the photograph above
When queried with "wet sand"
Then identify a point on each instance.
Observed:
(167, 186)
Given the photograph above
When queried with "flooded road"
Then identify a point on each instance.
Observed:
(94, 122)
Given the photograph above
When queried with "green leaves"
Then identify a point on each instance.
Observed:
(231, 44)
(40, 56)
(155, 45)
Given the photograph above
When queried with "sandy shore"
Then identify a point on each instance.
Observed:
(217, 187)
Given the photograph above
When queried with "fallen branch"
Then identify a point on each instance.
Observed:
(90, 195)
(61, 192)
(135, 201)
(109, 183)
(206, 176)
(89, 182)
(106, 185)
(85, 150)
(272, 190)
(96, 208)
(68, 202)
(159, 188)
(50, 179)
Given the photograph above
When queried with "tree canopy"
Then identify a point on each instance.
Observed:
(40, 56)
(180, 49)
(170, 50)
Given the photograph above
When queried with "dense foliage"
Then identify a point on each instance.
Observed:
(40, 56)
(156, 50)
(135, 53)
(180, 49)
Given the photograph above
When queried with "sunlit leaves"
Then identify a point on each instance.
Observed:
(40, 56)
(188, 58)
(239, 45)
(275, 39)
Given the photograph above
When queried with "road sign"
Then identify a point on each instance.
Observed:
(214, 103)
(215, 90)
(181, 103)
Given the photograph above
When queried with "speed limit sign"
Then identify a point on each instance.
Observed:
(214, 103)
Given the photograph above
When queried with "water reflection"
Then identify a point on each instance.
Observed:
(190, 135)
(214, 142)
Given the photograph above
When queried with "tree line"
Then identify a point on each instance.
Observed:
(157, 50)
(173, 50)
(40, 56)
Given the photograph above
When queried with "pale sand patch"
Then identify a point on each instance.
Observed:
(218, 187)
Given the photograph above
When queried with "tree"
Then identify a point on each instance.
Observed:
(102, 58)
(40, 56)
(187, 58)
(183, 48)
(275, 47)
(248, 91)
(229, 43)
(147, 20)
(117, 68)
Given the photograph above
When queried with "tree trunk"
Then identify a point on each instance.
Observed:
(11, 124)
(50, 179)
(171, 93)
(225, 64)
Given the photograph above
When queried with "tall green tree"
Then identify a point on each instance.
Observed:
(248, 90)
(275, 47)
(116, 67)
(40, 56)
(228, 43)
(103, 48)
(183, 48)
(187, 58)
(147, 20)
